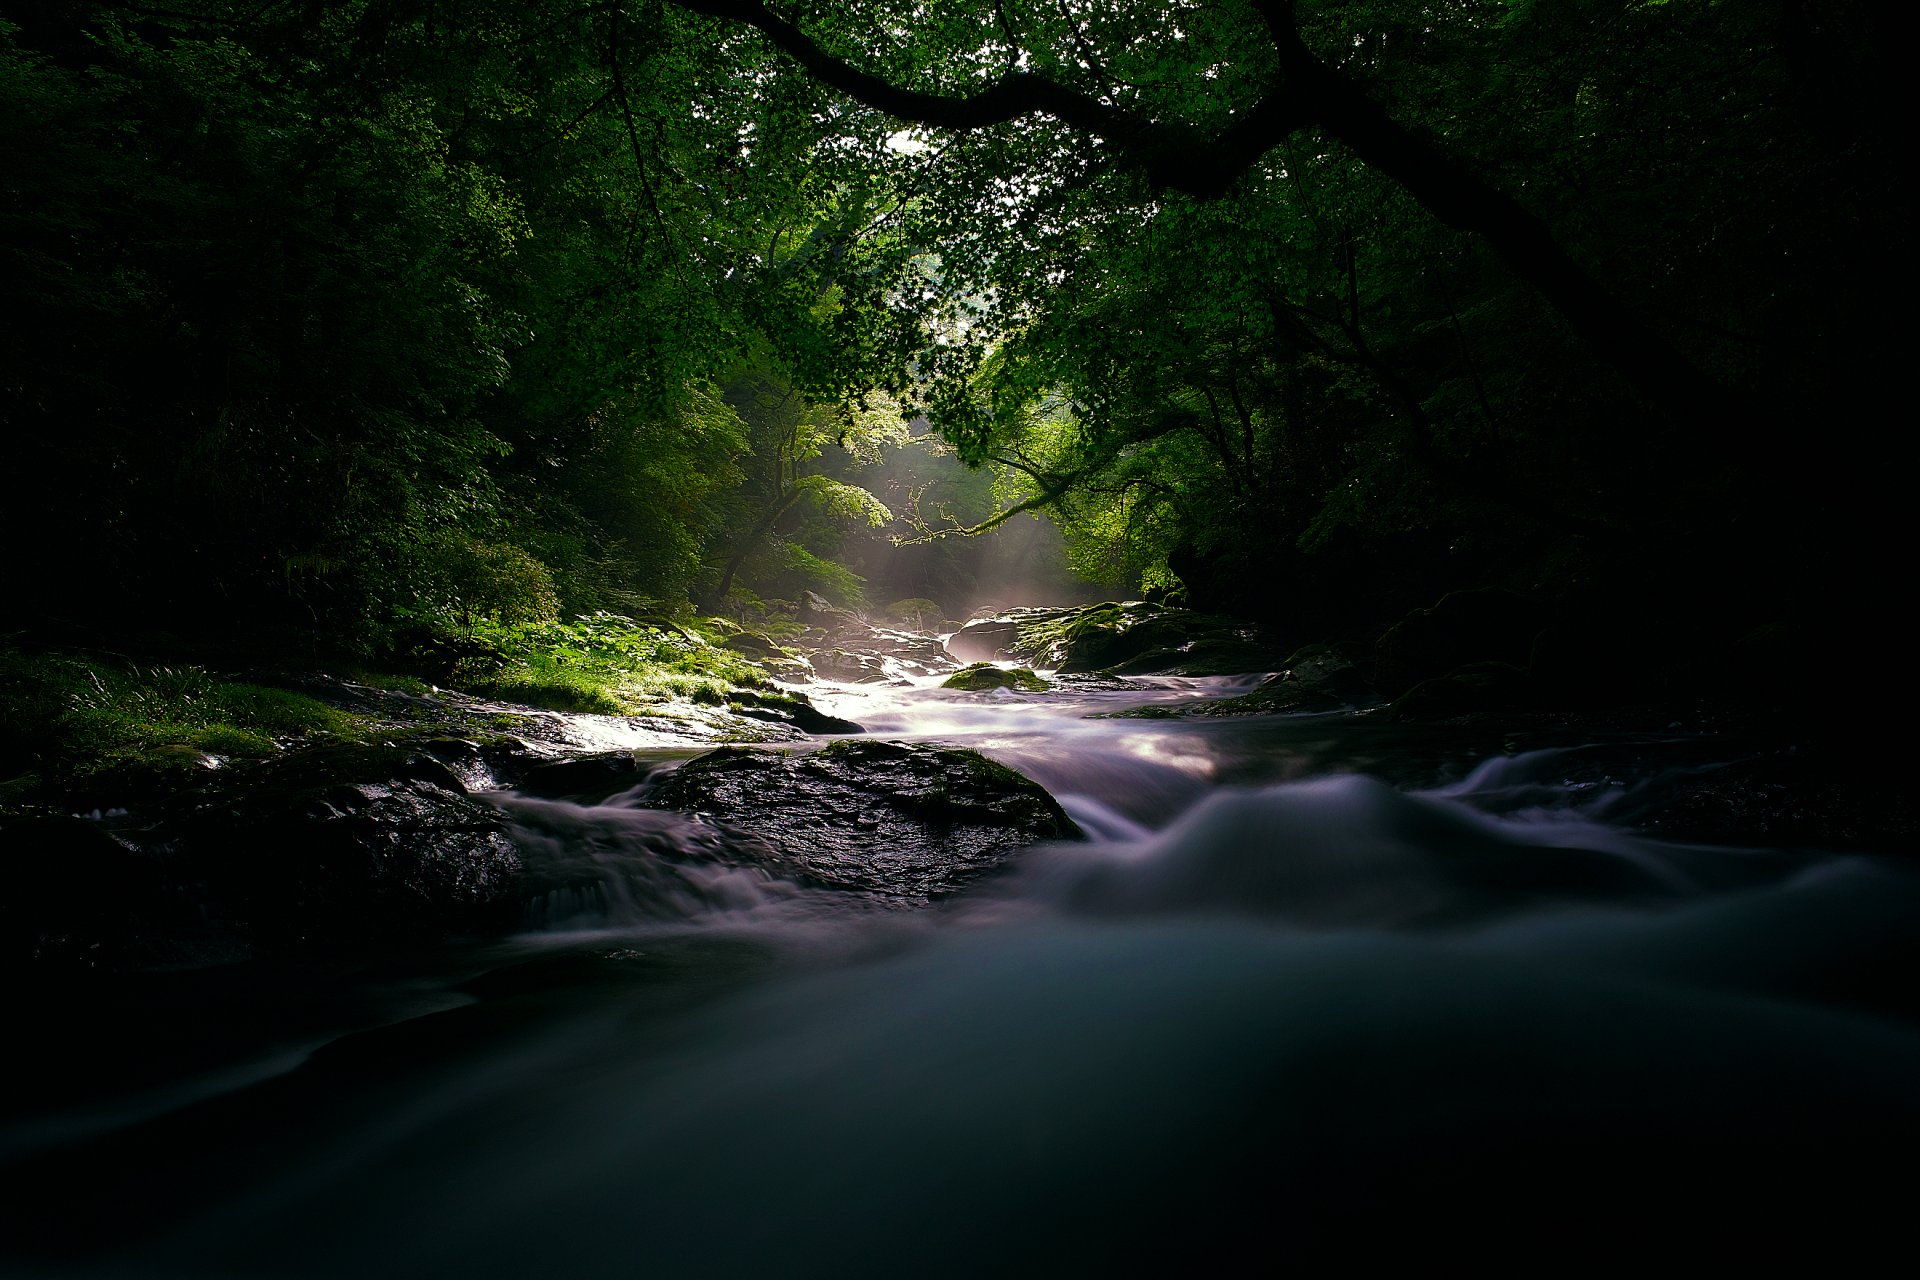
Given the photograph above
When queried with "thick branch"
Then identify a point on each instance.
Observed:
(1175, 156)
(1308, 92)
(1053, 487)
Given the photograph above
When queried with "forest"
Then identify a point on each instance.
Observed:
(339, 325)
(477, 406)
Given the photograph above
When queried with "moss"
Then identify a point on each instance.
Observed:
(982, 676)
(604, 663)
(228, 740)
(915, 612)
(19, 795)
(993, 771)
(76, 715)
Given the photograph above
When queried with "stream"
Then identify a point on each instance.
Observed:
(1317, 990)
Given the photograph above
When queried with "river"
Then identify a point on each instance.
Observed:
(1317, 991)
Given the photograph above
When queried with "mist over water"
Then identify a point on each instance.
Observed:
(1314, 991)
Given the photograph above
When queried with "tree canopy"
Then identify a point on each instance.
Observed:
(342, 310)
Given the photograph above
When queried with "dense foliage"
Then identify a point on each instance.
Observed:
(397, 319)
(390, 317)
(1517, 292)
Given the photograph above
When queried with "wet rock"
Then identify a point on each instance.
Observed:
(875, 654)
(917, 612)
(986, 640)
(328, 849)
(752, 645)
(984, 676)
(1317, 678)
(1794, 798)
(777, 659)
(910, 653)
(849, 667)
(592, 777)
(1131, 638)
(816, 611)
(80, 900)
(350, 845)
(789, 709)
(902, 823)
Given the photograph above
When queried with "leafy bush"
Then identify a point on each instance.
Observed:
(809, 572)
(473, 580)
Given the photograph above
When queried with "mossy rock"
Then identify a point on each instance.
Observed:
(1128, 637)
(916, 612)
(752, 645)
(789, 708)
(984, 676)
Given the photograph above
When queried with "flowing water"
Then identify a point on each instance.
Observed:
(1317, 990)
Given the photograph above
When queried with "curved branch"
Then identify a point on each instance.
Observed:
(1175, 156)
(927, 533)
(1179, 157)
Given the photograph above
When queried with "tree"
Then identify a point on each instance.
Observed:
(1420, 198)
(1279, 88)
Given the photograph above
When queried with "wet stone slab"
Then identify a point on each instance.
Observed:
(903, 823)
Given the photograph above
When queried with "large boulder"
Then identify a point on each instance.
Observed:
(1317, 678)
(80, 900)
(350, 846)
(590, 778)
(789, 709)
(903, 824)
(985, 640)
(327, 850)
(1132, 638)
(983, 677)
(822, 614)
(1474, 687)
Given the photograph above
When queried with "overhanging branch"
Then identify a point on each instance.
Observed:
(1175, 156)
(1180, 157)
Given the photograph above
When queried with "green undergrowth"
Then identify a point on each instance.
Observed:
(386, 681)
(603, 663)
(767, 624)
(66, 716)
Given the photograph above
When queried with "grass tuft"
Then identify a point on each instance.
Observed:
(73, 716)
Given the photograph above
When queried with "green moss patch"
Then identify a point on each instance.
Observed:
(73, 715)
(982, 676)
(604, 663)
